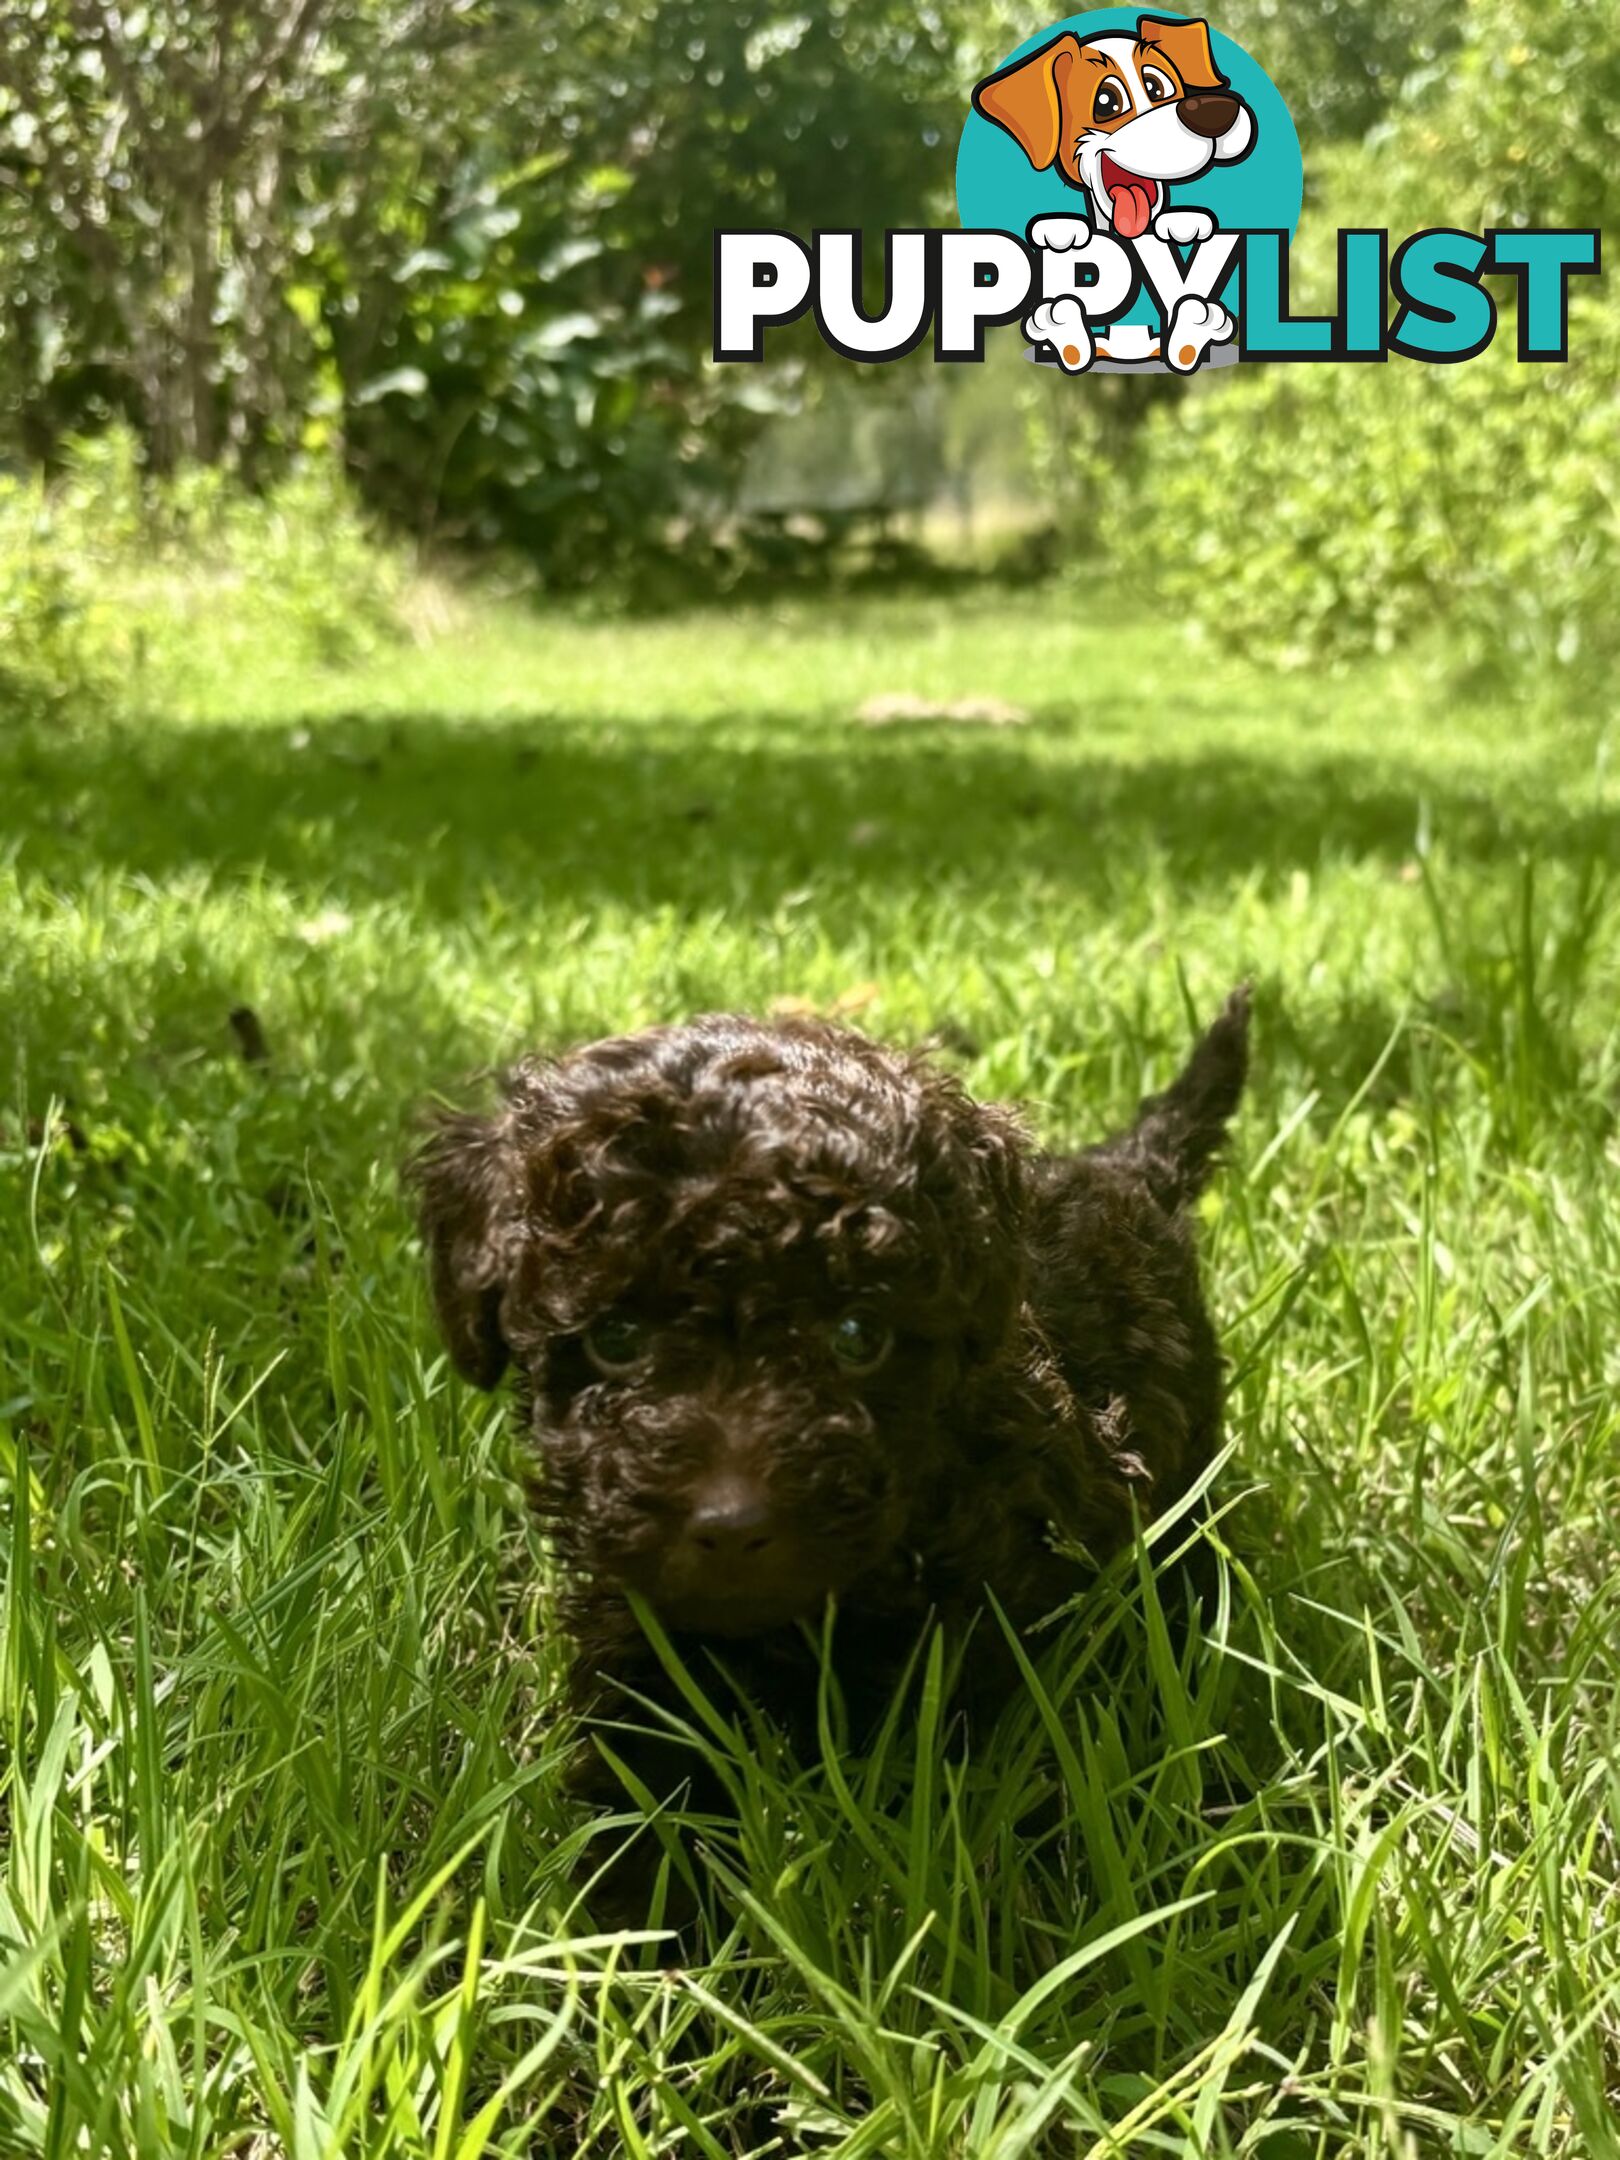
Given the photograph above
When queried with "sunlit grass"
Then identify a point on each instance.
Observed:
(283, 1863)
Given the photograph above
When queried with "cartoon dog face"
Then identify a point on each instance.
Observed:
(1122, 117)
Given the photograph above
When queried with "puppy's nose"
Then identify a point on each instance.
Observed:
(732, 1517)
(1209, 112)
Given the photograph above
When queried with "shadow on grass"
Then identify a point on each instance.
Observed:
(542, 807)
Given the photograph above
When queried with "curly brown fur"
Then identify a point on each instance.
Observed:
(679, 1238)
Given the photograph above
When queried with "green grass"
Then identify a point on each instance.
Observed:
(283, 1865)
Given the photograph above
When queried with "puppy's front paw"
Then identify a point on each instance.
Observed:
(1195, 326)
(1062, 325)
(1059, 233)
(626, 1889)
(1183, 228)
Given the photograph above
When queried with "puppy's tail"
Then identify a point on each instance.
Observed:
(1178, 1134)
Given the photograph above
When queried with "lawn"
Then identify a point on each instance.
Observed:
(284, 1869)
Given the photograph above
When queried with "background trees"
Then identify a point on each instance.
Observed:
(464, 244)
(468, 239)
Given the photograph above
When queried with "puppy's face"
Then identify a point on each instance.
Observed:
(746, 1274)
(1122, 117)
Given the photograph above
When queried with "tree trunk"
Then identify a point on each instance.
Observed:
(202, 374)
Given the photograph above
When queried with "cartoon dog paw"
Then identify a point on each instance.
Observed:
(1062, 325)
(1183, 228)
(1194, 327)
(1059, 233)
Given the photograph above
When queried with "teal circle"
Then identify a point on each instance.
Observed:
(997, 187)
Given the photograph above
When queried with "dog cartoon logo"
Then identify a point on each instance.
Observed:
(1122, 117)
(1129, 131)
(1127, 191)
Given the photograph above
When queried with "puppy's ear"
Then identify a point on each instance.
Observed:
(1027, 99)
(1177, 1135)
(974, 1181)
(468, 1181)
(1187, 48)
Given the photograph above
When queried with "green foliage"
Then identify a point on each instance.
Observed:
(1320, 513)
(1312, 513)
(1518, 127)
(470, 239)
(525, 388)
(166, 174)
(284, 1853)
(1327, 513)
(1340, 64)
(297, 568)
(536, 367)
(112, 584)
(50, 647)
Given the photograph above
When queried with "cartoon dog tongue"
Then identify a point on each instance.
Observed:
(1130, 199)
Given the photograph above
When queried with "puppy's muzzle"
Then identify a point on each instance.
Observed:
(731, 1563)
(730, 1552)
(732, 1521)
(1209, 112)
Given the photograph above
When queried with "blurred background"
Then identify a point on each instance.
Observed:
(293, 272)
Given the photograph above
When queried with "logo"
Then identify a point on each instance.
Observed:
(1128, 187)
(1117, 142)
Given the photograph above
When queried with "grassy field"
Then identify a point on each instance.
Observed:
(283, 1865)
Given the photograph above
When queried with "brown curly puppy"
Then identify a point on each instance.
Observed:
(794, 1317)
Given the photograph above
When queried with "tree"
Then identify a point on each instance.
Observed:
(156, 203)
(471, 237)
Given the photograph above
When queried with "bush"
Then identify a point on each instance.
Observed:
(1319, 513)
(110, 582)
(1518, 127)
(49, 654)
(1325, 512)
(1340, 63)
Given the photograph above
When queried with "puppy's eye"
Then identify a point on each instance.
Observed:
(616, 1344)
(1110, 100)
(860, 1343)
(1158, 87)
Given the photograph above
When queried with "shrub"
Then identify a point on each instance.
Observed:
(110, 582)
(49, 652)
(1340, 63)
(1323, 512)
(1317, 513)
(1518, 127)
